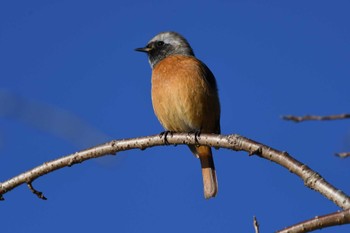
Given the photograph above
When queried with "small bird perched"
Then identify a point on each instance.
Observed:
(185, 96)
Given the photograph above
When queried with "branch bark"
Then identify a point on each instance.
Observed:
(234, 142)
(256, 225)
(343, 154)
(315, 118)
(329, 220)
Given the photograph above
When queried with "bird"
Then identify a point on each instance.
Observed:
(185, 96)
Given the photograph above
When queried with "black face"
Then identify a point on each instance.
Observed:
(159, 50)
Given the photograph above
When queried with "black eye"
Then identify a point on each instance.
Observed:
(160, 43)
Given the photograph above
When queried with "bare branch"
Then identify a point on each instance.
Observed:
(315, 118)
(329, 220)
(234, 142)
(343, 154)
(319, 118)
(36, 192)
(256, 225)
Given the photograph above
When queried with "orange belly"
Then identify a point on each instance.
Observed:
(182, 98)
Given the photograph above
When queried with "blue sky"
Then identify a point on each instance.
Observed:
(69, 79)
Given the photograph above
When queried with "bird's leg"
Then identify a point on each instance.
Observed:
(165, 135)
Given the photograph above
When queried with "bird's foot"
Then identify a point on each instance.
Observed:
(197, 134)
(165, 135)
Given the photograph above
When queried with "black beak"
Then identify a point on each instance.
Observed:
(145, 49)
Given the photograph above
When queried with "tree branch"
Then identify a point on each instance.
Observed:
(298, 119)
(315, 118)
(234, 142)
(36, 192)
(256, 225)
(343, 154)
(329, 220)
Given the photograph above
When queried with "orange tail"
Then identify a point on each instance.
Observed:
(208, 170)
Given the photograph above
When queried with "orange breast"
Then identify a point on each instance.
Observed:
(183, 99)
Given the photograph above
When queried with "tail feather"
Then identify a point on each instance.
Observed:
(208, 170)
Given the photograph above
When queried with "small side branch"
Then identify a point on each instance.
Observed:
(36, 192)
(329, 220)
(343, 154)
(256, 225)
(315, 118)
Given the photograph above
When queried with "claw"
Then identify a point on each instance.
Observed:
(197, 134)
(165, 135)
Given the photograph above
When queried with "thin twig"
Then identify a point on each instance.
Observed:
(329, 220)
(343, 154)
(256, 225)
(234, 142)
(36, 192)
(315, 118)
